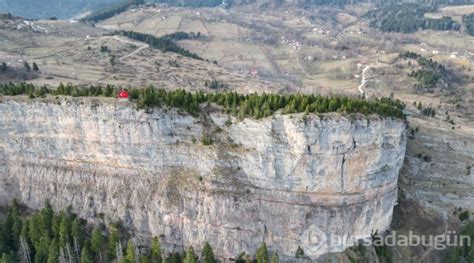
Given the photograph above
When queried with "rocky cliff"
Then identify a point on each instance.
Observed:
(288, 180)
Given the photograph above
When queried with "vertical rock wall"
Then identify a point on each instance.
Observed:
(286, 180)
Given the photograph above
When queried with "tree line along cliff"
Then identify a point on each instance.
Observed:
(249, 105)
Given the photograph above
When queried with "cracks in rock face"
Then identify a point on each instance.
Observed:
(232, 195)
(342, 164)
(342, 172)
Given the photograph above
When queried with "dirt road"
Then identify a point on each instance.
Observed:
(362, 83)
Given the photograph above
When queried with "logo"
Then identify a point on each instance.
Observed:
(314, 240)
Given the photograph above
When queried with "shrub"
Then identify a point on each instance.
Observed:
(299, 253)
(464, 216)
(206, 139)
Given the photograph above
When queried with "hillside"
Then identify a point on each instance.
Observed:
(76, 53)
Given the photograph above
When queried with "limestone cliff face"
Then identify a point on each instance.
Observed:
(286, 180)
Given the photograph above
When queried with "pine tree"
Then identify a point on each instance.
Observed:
(86, 256)
(130, 253)
(27, 66)
(12, 228)
(274, 258)
(299, 253)
(113, 242)
(35, 67)
(75, 91)
(3, 239)
(35, 229)
(64, 231)
(53, 252)
(453, 256)
(55, 226)
(190, 256)
(96, 240)
(47, 215)
(470, 253)
(42, 249)
(262, 254)
(7, 258)
(77, 232)
(144, 259)
(207, 254)
(174, 258)
(24, 253)
(156, 251)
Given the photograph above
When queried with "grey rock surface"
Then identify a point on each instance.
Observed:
(288, 180)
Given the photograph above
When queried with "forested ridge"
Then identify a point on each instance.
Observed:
(166, 43)
(112, 10)
(47, 236)
(243, 106)
(408, 18)
(430, 74)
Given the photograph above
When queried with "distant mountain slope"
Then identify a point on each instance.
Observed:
(49, 8)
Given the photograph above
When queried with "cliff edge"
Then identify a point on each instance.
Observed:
(287, 180)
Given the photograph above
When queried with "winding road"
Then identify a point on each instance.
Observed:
(134, 52)
(132, 43)
(298, 62)
(362, 83)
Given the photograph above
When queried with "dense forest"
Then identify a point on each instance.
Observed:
(468, 22)
(112, 10)
(430, 74)
(166, 43)
(47, 236)
(243, 106)
(408, 18)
